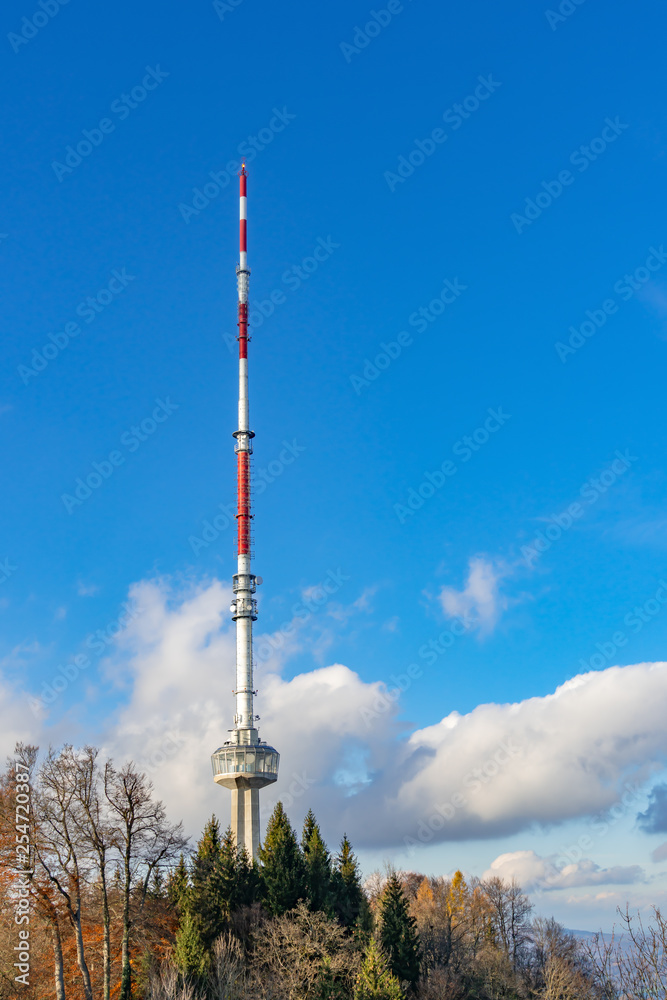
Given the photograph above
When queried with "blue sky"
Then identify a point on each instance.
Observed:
(540, 199)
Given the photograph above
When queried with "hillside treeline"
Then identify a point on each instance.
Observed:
(101, 898)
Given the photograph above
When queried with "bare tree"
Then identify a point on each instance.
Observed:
(510, 909)
(60, 848)
(145, 840)
(302, 954)
(632, 966)
(563, 981)
(97, 833)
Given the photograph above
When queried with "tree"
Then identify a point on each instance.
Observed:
(206, 895)
(95, 831)
(433, 922)
(375, 981)
(144, 840)
(283, 871)
(563, 981)
(318, 866)
(303, 954)
(190, 952)
(633, 965)
(348, 895)
(63, 852)
(510, 910)
(398, 933)
(238, 880)
(178, 886)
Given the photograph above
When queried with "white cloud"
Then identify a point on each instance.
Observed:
(86, 589)
(534, 872)
(480, 599)
(496, 770)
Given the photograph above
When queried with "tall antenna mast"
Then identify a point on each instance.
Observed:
(244, 763)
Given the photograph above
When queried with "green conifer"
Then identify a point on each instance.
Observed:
(178, 886)
(206, 898)
(318, 866)
(375, 981)
(283, 869)
(347, 892)
(190, 952)
(398, 932)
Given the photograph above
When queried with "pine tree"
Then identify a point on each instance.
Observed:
(318, 866)
(346, 885)
(283, 871)
(375, 981)
(190, 952)
(398, 933)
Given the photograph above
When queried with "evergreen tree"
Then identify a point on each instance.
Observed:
(309, 827)
(236, 878)
(375, 981)
(348, 894)
(206, 898)
(318, 866)
(398, 933)
(283, 871)
(178, 886)
(190, 952)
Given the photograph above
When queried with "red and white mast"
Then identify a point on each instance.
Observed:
(244, 763)
(244, 608)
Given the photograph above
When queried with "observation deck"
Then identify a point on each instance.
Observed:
(253, 765)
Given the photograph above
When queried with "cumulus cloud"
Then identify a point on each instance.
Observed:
(480, 600)
(654, 820)
(533, 872)
(496, 770)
